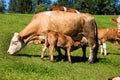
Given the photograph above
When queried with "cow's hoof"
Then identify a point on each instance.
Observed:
(90, 61)
(53, 61)
(70, 62)
(42, 59)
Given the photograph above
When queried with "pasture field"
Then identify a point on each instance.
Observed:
(27, 65)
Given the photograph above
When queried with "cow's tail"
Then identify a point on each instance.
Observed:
(96, 38)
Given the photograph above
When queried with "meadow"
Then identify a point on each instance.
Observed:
(27, 65)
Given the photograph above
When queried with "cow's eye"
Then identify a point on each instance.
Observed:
(15, 43)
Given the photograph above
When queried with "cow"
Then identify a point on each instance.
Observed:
(117, 21)
(63, 8)
(71, 24)
(107, 34)
(53, 39)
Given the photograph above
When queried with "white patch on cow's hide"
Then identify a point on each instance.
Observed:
(65, 9)
(48, 13)
(77, 11)
(15, 44)
(15, 37)
(116, 78)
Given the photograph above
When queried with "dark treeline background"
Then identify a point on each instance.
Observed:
(100, 7)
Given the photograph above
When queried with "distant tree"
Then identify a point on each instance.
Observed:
(82, 5)
(24, 6)
(47, 2)
(13, 6)
(39, 2)
(105, 7)
(62, 2)
(2, 5)
(40, 8)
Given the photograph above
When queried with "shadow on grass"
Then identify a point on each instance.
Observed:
(27, 55)
(113, 53)
(75, 59)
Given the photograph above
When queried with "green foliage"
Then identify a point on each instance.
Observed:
(104, 7)
(13, 6)
(25, 6)
(40, 8)
(27, 65)
(92, 6)
(2, 6)
(82, 6)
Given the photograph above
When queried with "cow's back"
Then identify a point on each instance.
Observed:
(107, 33)
(64, 22)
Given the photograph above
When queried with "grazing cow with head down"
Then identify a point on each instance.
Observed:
(63, 8)
(71, 24)
(108, 34)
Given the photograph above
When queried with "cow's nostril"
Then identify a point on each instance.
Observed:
(8, 52)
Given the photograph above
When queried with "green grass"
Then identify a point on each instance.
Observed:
(27, 65)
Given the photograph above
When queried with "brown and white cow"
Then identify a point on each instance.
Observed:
(63, 8)
(108, 34)
(58, 40)
(118, 22)
(71, 24)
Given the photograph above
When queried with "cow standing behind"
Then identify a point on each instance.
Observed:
(63, 8)
(108, 34)
(71, 24)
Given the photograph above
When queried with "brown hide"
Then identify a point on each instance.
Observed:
(71, 24)
(68, 23)
(62, 8)
(108, 34)
(56, 39)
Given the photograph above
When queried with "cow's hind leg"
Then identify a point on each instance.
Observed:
(101, 49)
(59, 54)
(69, 55)
(84, 52)
(51, 48)
(93, 50)
(104, 47)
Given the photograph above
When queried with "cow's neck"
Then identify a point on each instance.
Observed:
(27, 33)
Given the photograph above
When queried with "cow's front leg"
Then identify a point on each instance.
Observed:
(69, 55)
(43, 51)
(51, 48)
(104, 48)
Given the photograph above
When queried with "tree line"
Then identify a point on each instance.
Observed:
(100, 7)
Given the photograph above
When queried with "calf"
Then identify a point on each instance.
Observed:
(58, 40)
(108, 34)
(65, 9)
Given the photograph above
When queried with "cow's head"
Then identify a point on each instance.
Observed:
(16, 44)
(118, 22)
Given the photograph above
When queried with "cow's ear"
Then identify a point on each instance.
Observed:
(16, 33)
(114, 20)
(19, 38)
